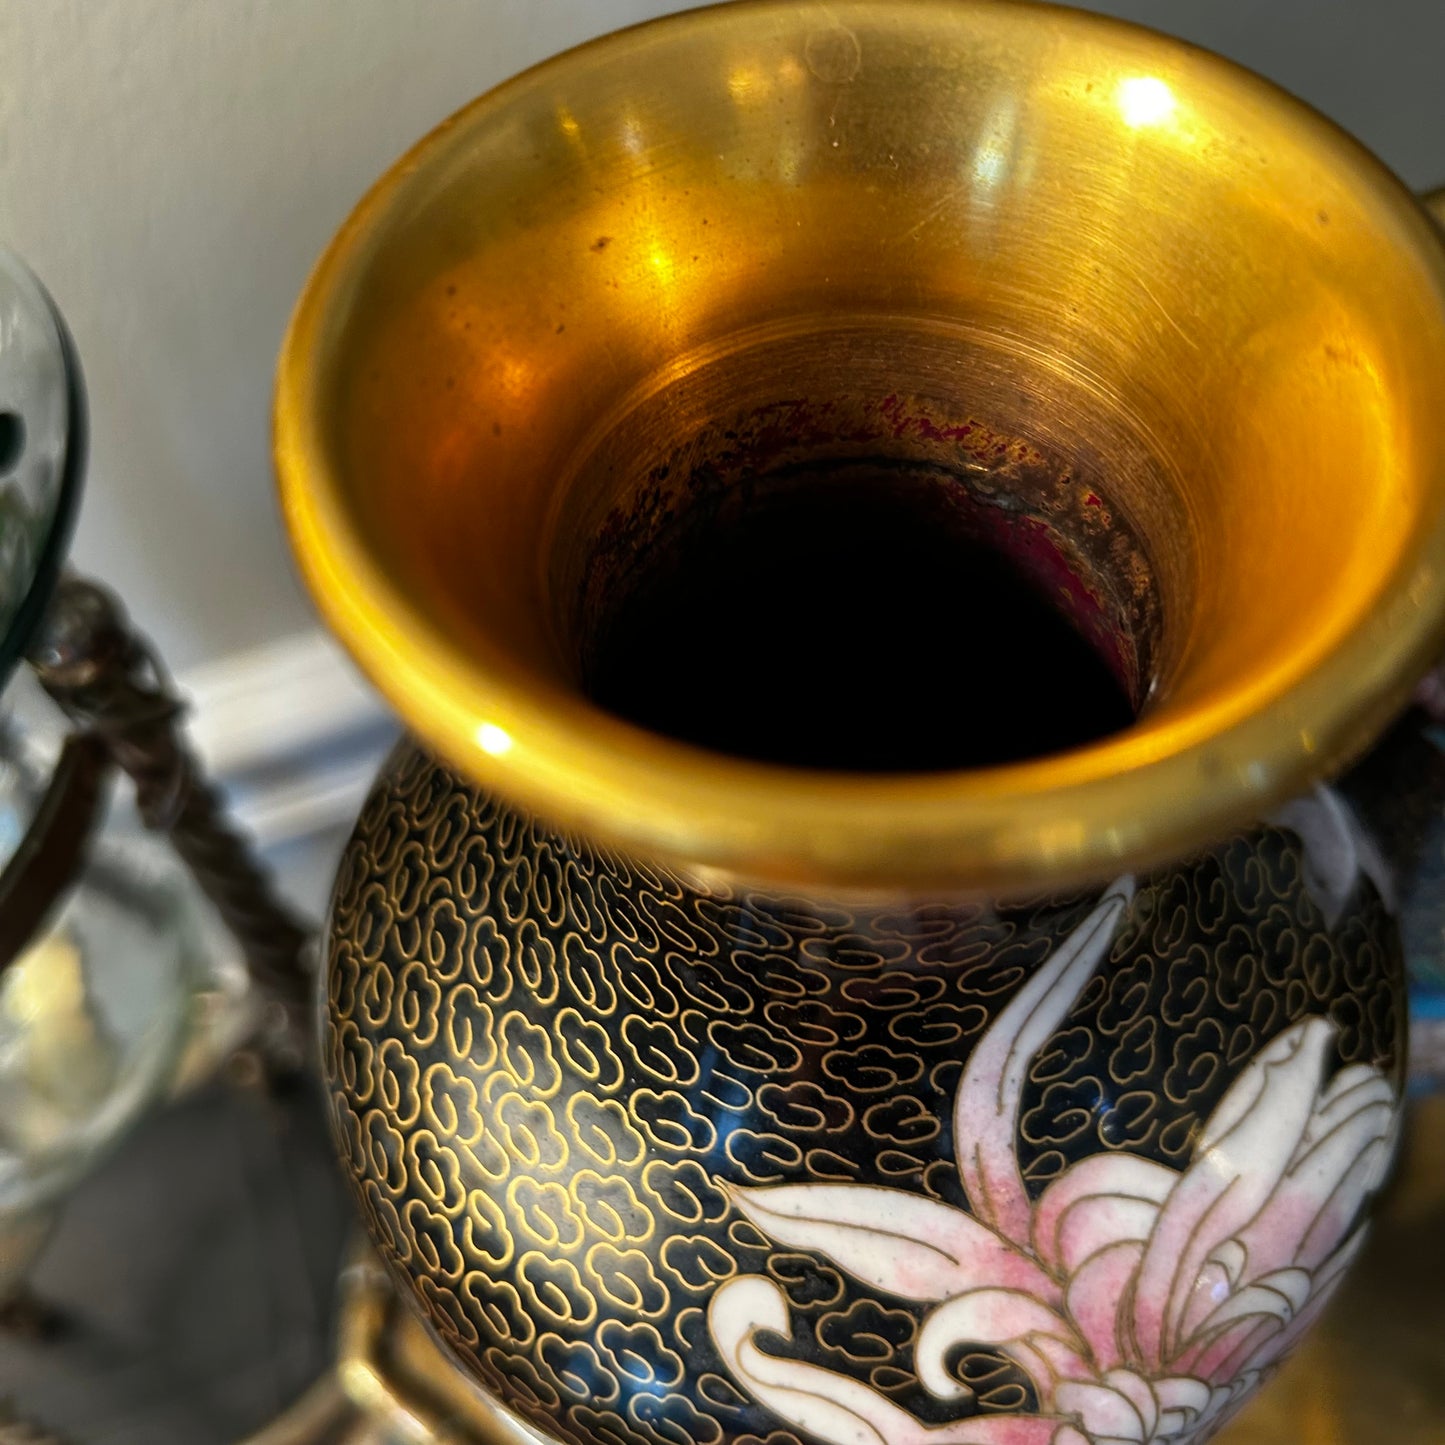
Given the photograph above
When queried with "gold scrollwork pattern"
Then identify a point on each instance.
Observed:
(548, 1063)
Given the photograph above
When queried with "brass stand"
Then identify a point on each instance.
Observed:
(401, 1378)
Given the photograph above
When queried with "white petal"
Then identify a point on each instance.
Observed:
(1217, 1355)
(1326, 1280)
(1095, 1224)
(1096, 1298)
(1244, 1151)
(1182, 1393)
(1021, 1326)
(1102, 1411)
(906, 1244)
(1139, 1390)
(1212, 1286)
(987, 1104)
(1336, 851)
(1295, 1285)
(1290, 1068)
(1320, 1195)
(1281, 1302)
(1231, 1258)
(827, 1405)
(1327, 1157)
(1351, 1089)
(1325, 1233)
(1110, 1176)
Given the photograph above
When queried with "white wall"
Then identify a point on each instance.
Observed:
(172, 167)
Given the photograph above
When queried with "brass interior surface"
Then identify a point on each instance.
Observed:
(1154, 272)
(1023, 457)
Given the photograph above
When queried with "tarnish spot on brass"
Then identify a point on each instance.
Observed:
(834, 55)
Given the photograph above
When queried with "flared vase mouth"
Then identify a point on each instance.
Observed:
(1159, 333)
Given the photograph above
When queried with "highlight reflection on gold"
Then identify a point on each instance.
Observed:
(1145, 100)
(493, 741)
(745, 83)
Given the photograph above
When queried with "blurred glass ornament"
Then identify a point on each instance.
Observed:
(43, 437)
(119, 983)
(123, 984)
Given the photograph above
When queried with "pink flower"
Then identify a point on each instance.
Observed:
(1144, 1302)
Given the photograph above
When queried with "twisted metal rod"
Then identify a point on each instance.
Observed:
(107, 678)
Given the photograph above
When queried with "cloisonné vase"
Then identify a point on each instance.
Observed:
(670, 1162)
(696, 1100)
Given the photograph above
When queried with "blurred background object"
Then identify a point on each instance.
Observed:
(191, 1278)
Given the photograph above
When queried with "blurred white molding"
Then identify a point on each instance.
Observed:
(292, 732)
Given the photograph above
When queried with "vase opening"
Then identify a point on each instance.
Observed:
(894, 581)
(796, 630)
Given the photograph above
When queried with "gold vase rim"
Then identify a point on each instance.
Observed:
(1145, 796)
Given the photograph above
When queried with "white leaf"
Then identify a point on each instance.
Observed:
(987, 1106)
(829, 1406)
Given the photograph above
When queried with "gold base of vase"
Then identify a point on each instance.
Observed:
(1372, 1371)
(402, 1380)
